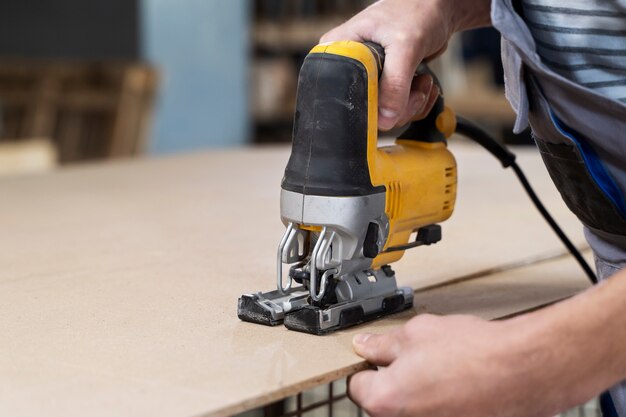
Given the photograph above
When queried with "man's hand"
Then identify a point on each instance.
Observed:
(448, 366)
(537, 364)
(410, 31)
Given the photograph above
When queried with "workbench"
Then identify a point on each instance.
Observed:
(120, 280)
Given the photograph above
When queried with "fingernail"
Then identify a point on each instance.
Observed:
(426, 87)
(361, 338)
(386, 119)
(420, 102)
(388, 114)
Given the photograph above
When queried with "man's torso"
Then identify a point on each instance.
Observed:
(582, 40)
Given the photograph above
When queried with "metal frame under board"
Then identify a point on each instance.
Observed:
(331, 400)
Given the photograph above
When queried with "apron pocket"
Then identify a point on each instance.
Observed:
(581, 192)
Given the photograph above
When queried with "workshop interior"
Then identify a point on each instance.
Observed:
(86, 83)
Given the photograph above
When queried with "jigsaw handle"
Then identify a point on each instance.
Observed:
(335, 134)
(439, 124)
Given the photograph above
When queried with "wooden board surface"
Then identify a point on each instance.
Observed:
(119, 281)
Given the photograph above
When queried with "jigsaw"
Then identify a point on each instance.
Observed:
(350, 207)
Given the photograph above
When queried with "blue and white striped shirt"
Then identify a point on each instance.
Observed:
(582, 40)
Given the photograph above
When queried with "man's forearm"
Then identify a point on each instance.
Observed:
(471, 14)
(579, 345)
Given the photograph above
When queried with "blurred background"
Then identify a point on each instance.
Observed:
(91, 80)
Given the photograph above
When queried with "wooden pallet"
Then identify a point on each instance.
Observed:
(91, 110)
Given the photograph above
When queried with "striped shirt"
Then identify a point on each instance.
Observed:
(582, 40)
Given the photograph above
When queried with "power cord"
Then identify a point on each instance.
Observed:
(507, 159)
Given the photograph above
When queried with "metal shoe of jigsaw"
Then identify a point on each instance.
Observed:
(350, 207)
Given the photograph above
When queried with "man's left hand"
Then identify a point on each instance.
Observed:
(453, 366)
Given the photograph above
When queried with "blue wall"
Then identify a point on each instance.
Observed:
(201, 48)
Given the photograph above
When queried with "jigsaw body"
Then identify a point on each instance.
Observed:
(350, 207)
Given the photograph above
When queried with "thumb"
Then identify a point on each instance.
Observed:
(378, 350)
(340, 33)
(352, 30)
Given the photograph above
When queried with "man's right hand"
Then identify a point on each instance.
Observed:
(410, 31)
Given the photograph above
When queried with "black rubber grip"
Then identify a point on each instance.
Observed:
(329, 149)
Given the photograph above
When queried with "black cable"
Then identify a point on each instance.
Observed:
(507, 158)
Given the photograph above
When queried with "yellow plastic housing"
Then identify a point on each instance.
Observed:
(420, 177)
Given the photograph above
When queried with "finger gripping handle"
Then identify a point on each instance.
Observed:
(436, 126)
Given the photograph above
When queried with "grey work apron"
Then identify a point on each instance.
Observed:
(581, 136)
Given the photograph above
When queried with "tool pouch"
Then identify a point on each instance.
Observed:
(578, 173)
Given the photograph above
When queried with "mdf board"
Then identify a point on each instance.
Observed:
(120, 280)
